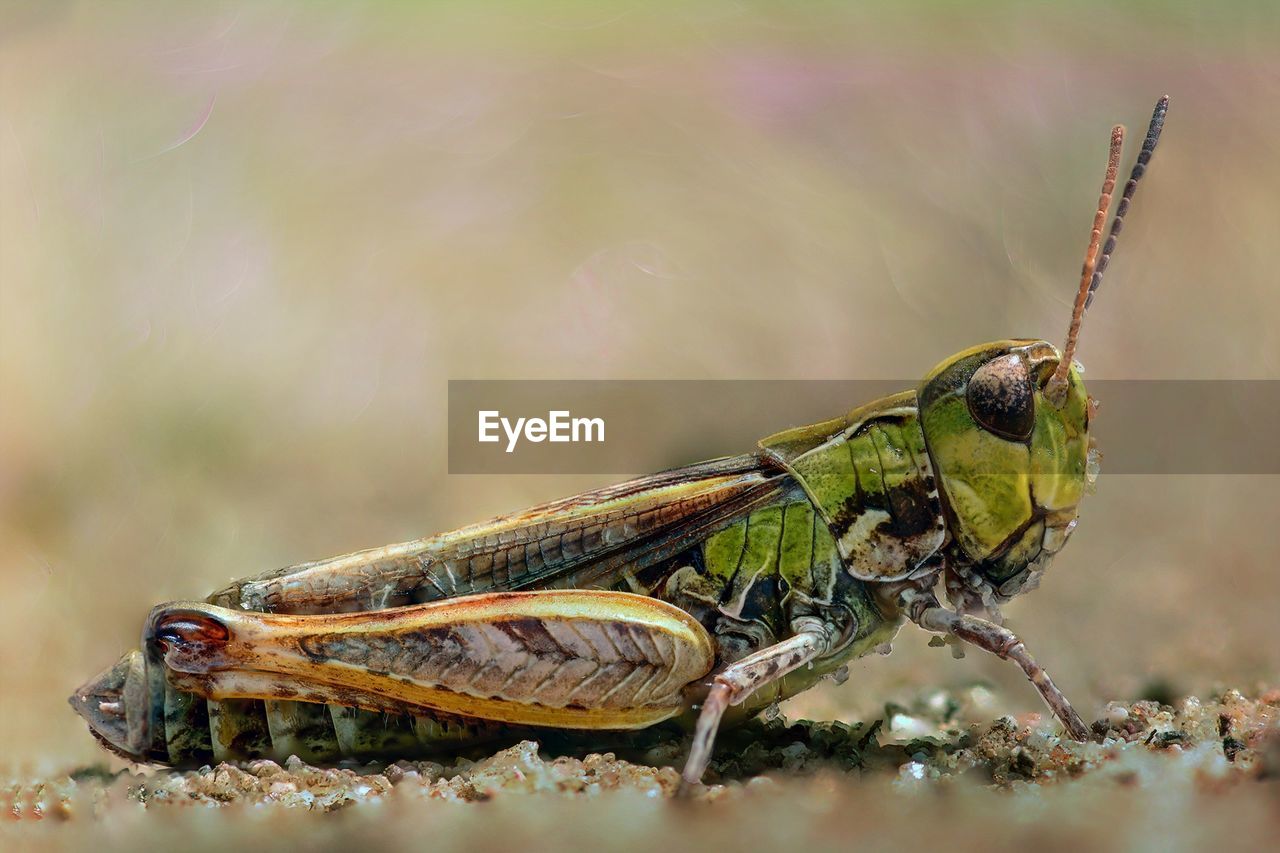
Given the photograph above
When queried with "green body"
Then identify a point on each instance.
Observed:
(747, 583)
(810, 550)
(973, 477)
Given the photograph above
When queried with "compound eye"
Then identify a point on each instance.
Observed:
(1001, 398)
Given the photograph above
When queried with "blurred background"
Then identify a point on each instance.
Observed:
(243, 247)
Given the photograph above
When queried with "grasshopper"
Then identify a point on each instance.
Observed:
(702, 594)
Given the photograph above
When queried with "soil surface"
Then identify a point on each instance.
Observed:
(929, 771)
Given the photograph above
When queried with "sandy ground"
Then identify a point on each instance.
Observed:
(1000, 784)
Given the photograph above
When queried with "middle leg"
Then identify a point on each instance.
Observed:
(738, 681)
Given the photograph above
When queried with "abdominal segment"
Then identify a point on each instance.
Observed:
(200, 731)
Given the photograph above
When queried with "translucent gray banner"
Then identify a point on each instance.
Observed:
(628, 427)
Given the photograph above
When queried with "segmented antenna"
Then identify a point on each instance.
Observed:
(1139, 169)
(1091, 276)
(1059, 377)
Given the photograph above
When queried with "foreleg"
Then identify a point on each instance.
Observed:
(1005, 644)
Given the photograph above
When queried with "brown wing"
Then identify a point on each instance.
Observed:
(582, 541)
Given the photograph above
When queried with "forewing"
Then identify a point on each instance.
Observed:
(583, 541)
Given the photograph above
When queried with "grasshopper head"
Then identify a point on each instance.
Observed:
(1011, 451)
(1007, 425)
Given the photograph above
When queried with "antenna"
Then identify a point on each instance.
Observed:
(1059, 377)
(1095, 265)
